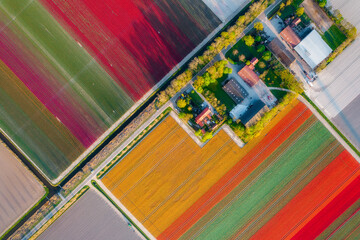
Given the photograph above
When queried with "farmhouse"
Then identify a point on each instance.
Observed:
(290, 36)
(249, 115)
(279, 50)
(313, 49)
(249, 76)
(235, 91)
(203, 117)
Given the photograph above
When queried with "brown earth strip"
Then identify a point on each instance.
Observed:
(339, 221)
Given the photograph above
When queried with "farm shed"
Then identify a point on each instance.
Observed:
(290, 36)
(313, 49)
(249, 76)
(254, 112)
(279, 50)
(235, 91)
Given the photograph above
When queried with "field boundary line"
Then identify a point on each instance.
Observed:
(326, 198)
(214, 155)
(251, 183)
(162, 115)
(142, 160)
(154, 166)
(274, 203)
(241, 170)
(126, 213)
(48, 222)
(342, 224)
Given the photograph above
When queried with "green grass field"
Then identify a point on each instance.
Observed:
(220, 94)
(196, 98)
(334, 37)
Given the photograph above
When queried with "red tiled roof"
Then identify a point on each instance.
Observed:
(205, 113)
(249, 76)
(290, 36)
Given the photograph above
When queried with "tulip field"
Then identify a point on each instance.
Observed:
(293, 181)
(71, 69)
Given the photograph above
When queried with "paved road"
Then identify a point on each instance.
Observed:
(92, 176)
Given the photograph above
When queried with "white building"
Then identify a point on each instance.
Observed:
(313, 49)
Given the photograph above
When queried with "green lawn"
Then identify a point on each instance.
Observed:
(195, 98)
(334, 37)
(220, 94)
(272, 80)
(240, 46)
(288, 11)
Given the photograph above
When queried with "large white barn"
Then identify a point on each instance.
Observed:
(313, 49)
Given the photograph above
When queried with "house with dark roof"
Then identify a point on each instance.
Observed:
(235, 91)
(290, 36)
(249, 76)
(280, 51)
(253, 113)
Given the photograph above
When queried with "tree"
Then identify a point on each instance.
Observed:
(207, 136)
(322, 3)
(267, 56)
(242, 58)
(258, 38)
(261, 49)
(249, 40)
(163, 97)
(235, 52)
(198, 133)
(181, 103)
(261, 65)
(248, 63)
(300, 11)
(259, 26)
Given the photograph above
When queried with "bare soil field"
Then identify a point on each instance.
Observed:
(90, 218)
(336, 91)
(19, 189)
(349, 9)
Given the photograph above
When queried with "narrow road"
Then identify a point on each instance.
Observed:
(323, 121)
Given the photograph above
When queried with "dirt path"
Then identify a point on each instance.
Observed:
(317, 15)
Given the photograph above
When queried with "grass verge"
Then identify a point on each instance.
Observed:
(60, 212)
(133, 143)
(334, 37)
(94, 183)
(331, 124)
(26, 214)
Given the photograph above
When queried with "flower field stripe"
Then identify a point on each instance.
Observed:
(262, 185)
(23, 65)
(332, 211)
(243, 168)
(341, 221)
(64, 77)
(161, 184)
(135, 40)
(40, 130)
(185, 13)
(349, 227)
(101, 43)
(164, 131)
(289, 191)
(337, 175)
